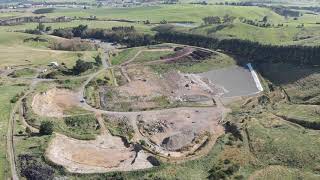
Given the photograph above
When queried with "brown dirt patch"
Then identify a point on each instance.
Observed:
(180, 129)
(106, 153)
(54, 102)
(148, 90)
(143, 83)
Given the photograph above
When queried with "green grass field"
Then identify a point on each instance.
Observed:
(13, 51)
(301, 83)
(289, 34)
(305, 112)
(26, 72)
(217, 61)
(124, 55)
(146, 56)
(185, 12)
(91, 24)
(249, 32)
(7, 92)
(275, 141)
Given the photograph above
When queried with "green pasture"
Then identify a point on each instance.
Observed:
(13, 52)
(305, 112)
(7, 92)
(181, 12)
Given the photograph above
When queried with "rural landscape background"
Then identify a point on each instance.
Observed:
(153, 89)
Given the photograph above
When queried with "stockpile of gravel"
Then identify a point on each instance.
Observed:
(178, 141)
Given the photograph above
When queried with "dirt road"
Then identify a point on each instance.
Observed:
(141, 51)
(11, 123)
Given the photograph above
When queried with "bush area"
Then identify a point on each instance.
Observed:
(80, 67)
(73, 45)
(217, 61)
(71, 84)
(83, 127)
(124, 35)
(46, 128)
(31, 160)
(31, 168)
(44, 11)
(124, 55)
(25, 72)
(120, 127)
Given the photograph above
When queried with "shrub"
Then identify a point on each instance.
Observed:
(43, 10)
(81, 66)
(223, 171)
(233, 129)
(142, 142)
(31, 168)
(84, 122)
(46, 128)
(98, 60)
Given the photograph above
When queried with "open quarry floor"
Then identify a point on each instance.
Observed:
(54, 102)
(106, 153)
(148, 115)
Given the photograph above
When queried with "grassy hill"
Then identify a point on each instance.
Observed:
(279, 35)
(185, 12)
(289, 33)
(14, 51)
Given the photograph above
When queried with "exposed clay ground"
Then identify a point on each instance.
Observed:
(106, 153)
(179, 130)
(147, 90)
(54, 102)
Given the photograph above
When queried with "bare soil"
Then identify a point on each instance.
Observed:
(106, 153)
(178, 130)
(148, 90)
(54, 102)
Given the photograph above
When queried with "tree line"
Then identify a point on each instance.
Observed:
(253, 51)
(218, 20)
(123, 35)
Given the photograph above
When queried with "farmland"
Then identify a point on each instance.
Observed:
(105, 96)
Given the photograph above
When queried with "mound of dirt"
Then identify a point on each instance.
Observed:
(54, 102)
(178, 141)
